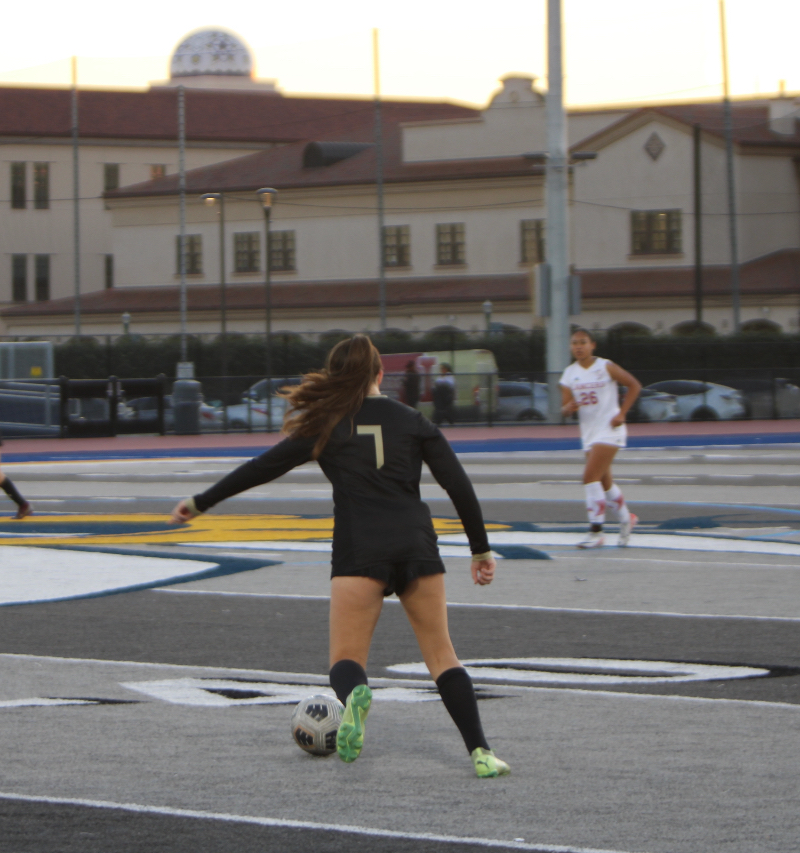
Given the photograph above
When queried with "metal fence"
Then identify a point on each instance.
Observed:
(250, 403)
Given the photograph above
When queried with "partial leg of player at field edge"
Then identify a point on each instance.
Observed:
(23, 507)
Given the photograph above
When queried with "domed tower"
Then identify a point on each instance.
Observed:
(213, 58)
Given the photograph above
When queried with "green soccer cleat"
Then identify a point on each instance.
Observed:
(350, 737)
(487, 765)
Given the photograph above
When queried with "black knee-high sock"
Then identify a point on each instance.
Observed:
(344, 676)
(458, 694)
(11, 490)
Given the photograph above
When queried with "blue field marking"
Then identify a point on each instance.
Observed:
(488, 445)
(509, 445)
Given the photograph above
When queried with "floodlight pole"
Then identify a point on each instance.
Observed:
(556, 190)
(182, 198)
(379, 178)
(726, 106)
(211, 199)
(76, 198)
(266, 195)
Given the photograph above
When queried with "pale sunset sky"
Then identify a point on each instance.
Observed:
(616, 50)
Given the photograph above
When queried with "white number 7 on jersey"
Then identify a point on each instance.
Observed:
(377, 434)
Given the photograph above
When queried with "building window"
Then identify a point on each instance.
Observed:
(109, 271)
(157, 171)
(19, 278)
(18, 192)
(247, 252)
(450, 246)
(41, 186)
(193, 253)
(42, 267)
(281, 251)
(531, 239)
(110, 176)
(396, 246)
(655, 232)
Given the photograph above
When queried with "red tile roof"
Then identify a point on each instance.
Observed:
(311, 295)
(774, 274)
(249, 117)
(749, 122)
(282, 168)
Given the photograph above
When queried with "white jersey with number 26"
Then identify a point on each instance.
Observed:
(598, 397)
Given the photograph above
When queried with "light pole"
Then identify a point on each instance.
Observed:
(265, 194)
(487, 313)
(211, 199)
(557, 199)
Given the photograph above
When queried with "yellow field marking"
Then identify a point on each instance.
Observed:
(205, 528)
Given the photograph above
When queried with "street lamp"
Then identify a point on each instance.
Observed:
(265, 195)
(487, 313)
(210, 199)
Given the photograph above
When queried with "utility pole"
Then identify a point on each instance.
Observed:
(698, 227)
(379, 177)
(76, 195)
(726, 106)
(557, 190)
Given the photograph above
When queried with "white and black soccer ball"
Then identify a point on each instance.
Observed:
(315, 722)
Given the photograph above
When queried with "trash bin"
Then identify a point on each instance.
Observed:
(187, 394)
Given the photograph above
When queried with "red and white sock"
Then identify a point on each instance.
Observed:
(595, 502)
(617, 503)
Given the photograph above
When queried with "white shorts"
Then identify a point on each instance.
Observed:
(615, 436)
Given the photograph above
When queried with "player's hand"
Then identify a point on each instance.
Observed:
(618, 420)
(483, 571)
(183, 513)
(570, 408)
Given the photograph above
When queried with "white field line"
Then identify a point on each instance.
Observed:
(315, 679)
(167, 811)
(489, 605)
(671, 542)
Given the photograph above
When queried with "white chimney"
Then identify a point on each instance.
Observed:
(783, 115)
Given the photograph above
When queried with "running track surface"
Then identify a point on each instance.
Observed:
(464, 439)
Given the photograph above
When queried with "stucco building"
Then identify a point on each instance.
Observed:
(464, 213)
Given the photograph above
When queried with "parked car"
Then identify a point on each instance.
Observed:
(146, 408)
(769, 398)
(703, 401)
(521, 401)
(256, 409)
(652, 405)
(258, 391)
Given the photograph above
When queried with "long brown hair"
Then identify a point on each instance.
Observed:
(338, 390)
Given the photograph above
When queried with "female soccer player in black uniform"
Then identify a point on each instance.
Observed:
(372, 448)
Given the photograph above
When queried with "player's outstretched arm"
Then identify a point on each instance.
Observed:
(272, 464)
(184, 511)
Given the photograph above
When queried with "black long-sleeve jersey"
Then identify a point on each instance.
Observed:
(374, 462)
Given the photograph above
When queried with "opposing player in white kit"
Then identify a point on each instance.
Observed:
(590, 387)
